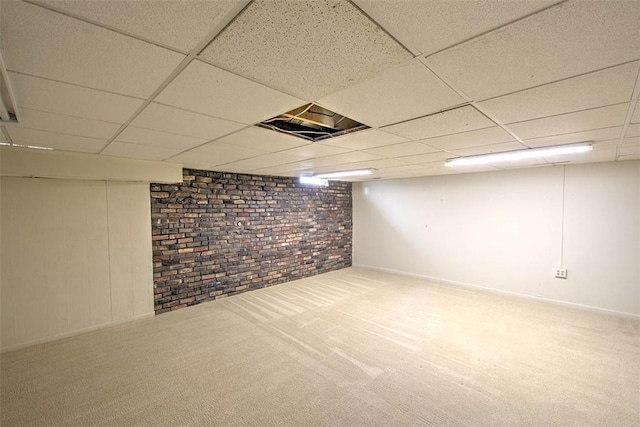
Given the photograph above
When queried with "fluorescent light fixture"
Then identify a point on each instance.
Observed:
(344, 174)
(529, 153)
(312, 180)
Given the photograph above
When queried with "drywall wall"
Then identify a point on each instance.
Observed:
(508, 230)
(75, 255)
(218, 234)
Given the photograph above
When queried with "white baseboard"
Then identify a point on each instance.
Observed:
(500, 291)
(74, 333)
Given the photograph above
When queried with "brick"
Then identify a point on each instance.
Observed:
(287, 232)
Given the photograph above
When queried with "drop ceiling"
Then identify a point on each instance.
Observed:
(187, 81)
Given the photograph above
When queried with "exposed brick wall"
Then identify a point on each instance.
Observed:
(218, 234)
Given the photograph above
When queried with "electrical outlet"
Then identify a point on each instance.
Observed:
(560, 273)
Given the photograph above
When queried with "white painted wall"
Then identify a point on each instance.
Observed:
(75, 255)
(508, 230)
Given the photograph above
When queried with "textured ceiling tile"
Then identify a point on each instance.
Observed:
(352, 157)
(566, 40)
(173, 120)
(136, 135)
(439, 156)
(396, 95)
(58, 141)
(218, 153)
(486, 149)
(58, 123)
(138, 151)
(404, 149)
(189, 20)
(431, 25)
(315, 150)
(633, 130)
(209, 90)
(486, 136)
(630, 142)
(629, 151)
(592, 135)
(636, 114)
(365, 139)
(602, 88)
(453, 121)
(40, 42)
(263, 161)
(307, 49)
(596, 118)
(264, 140)
(49, 96)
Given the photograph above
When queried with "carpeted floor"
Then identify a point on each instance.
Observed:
(348, 348)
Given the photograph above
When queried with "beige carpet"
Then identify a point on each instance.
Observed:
(348, 348)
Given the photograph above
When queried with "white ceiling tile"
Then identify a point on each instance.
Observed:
(632, 150)
(395, 95)
(635, 118)
(517, 164)
(608, 155)
(598, 89)
(264, 140)
(630, 142)
(362, 140)
(54, 97)
(566, 40)
(189, 20)
(486, 149)
(633, 130)
(410, 148)
(595, 118)
(453, 121)
(209, 90)
(592, 135)
(138, 151)
(341, 159)
(439, 156)
(174, 120)
(58, 141)
(315, 150)
(34, 119)
(40, 42)
(307, 49)
(605, 145)
(475, 138)
(261, 162)
(136, 135)
(218, 153)
(431, 25)
(629, 157)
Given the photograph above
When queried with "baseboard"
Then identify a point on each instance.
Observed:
(74, 333)
(500, 291)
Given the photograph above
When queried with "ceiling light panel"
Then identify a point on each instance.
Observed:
(209, 90)
(57, 141)
(34, 119)
(429, 26)
(307, 49)
(569, 39)
(595, 118)
(486, 136)
(598, 89)
(137, 151)
(136, 135)
(395, 95)
(54, 97)
(263, 140)
(369, 138)
(448, 122)
(174, 120)
(40, 42)
(190, 21)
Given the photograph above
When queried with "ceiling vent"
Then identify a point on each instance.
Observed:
(313, 123)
